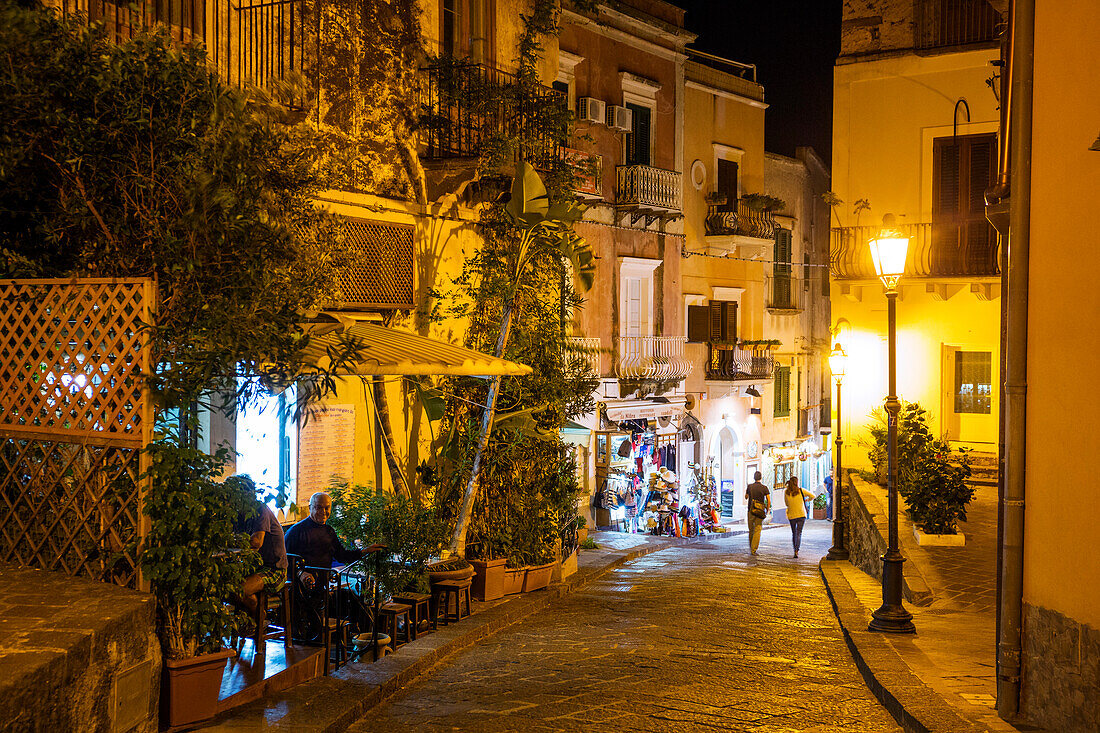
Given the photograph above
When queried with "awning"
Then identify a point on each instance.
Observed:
(575, 433)
(619, 410)
(390, 351)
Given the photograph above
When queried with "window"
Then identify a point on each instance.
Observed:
(973, 385)
(964, 242)
(266, 443)
(560, 86)
(638, 141)
(636, 295)
(727, 183)
(723, 320)
(782, 391)
(449, 39)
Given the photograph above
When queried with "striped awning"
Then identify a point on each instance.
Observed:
(388, 351)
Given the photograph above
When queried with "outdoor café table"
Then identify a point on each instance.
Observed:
(357, 579)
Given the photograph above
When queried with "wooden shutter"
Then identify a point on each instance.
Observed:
(731, 320)
(782, 391)
(962, 169)
(723, 320)
(698, 323)
(781, 270)
(637, 142)
(716, 320)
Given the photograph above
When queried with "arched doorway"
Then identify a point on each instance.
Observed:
(728, 461)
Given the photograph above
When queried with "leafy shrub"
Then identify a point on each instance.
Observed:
(931, 476)
(821, 501)
(411, 533)
(589, 544)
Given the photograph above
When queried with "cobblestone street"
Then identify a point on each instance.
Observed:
(691, 638)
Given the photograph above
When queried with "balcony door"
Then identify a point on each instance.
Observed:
(639, 141)
(636, 296)
(727, 184)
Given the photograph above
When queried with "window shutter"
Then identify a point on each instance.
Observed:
(698, 323)
(945, 171)
(637, 142)
(782, 391)
(715, 320)
(731, 320)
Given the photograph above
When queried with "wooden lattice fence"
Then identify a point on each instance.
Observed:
(74, 420)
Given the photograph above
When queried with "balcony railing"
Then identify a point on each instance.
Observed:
(730, 362)
(969, 249)
(739, 220)
(784, 292)
(587, 349)
(465, 105)
(942, 23)
(659, 358)
(648, 191)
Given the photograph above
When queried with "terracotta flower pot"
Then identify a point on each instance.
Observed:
(434, 576)
(192, 686)
(538, 577)
(819, 513)
(488, 579)
(513, 580)
(582, 534)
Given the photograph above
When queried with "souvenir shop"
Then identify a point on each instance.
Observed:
(637, 486)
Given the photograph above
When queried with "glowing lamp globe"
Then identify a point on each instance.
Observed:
(888, 251)
(837, 361)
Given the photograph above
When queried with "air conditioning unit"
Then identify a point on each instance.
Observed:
(590, 109)
(620, 119)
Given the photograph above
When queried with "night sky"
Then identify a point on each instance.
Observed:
(794, 44)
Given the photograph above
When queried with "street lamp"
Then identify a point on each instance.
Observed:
(839, 550)
(888, 252)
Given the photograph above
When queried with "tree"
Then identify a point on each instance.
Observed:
(134, 160)
(535, 230)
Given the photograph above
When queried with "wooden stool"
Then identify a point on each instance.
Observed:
(421, 611)
(459, 589)
(391, 612)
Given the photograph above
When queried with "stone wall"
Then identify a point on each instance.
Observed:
(867, 532)
(76, 655)
(1061, 677)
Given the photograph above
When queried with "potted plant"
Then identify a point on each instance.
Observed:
(194, 561)
(820, 502)
(582, 530)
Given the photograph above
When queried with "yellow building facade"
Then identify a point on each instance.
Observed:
(914, 135)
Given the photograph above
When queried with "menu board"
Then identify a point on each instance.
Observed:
(326, 448)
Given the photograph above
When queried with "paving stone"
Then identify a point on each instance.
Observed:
(706, 638)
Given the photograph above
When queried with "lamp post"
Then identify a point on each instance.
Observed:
(888, 252)
(839, 550)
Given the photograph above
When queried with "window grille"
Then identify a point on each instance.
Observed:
(382, 276)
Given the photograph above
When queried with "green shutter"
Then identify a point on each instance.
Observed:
(782, 391)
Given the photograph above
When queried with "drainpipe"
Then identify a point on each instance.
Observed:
(1012, 516)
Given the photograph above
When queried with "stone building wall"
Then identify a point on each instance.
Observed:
(76, 655)
(1061, 675)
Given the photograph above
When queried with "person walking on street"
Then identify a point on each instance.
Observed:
(795, 498)
(760, 503)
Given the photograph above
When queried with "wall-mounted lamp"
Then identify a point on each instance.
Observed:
(751, 391)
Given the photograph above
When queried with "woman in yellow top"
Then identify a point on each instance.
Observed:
(795, 498)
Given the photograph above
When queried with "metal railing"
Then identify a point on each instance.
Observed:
(942, 23)
(784, 292)
(967, 249)
(185, 19)
(588, 349)
(659, 358)
(734, 362)
(464, 105)
(646, 186)
(739, 219)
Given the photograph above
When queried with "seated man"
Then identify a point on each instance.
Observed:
(317, 543)
(265, 535)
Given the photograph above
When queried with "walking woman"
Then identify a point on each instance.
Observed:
(795, 497)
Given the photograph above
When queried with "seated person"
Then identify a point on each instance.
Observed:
(317, 543)
(265, 535)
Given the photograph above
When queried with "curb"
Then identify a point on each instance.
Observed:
(915, 706)
(329, 704)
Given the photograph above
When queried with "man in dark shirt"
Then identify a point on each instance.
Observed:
(317, 542)
(756, 491)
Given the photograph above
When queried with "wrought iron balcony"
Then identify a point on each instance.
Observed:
(658, 358)
(729, 362)
(967, 249)
(784, 292)
(739, 219)
(465, 105)
(588, 349)
(645, 191)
